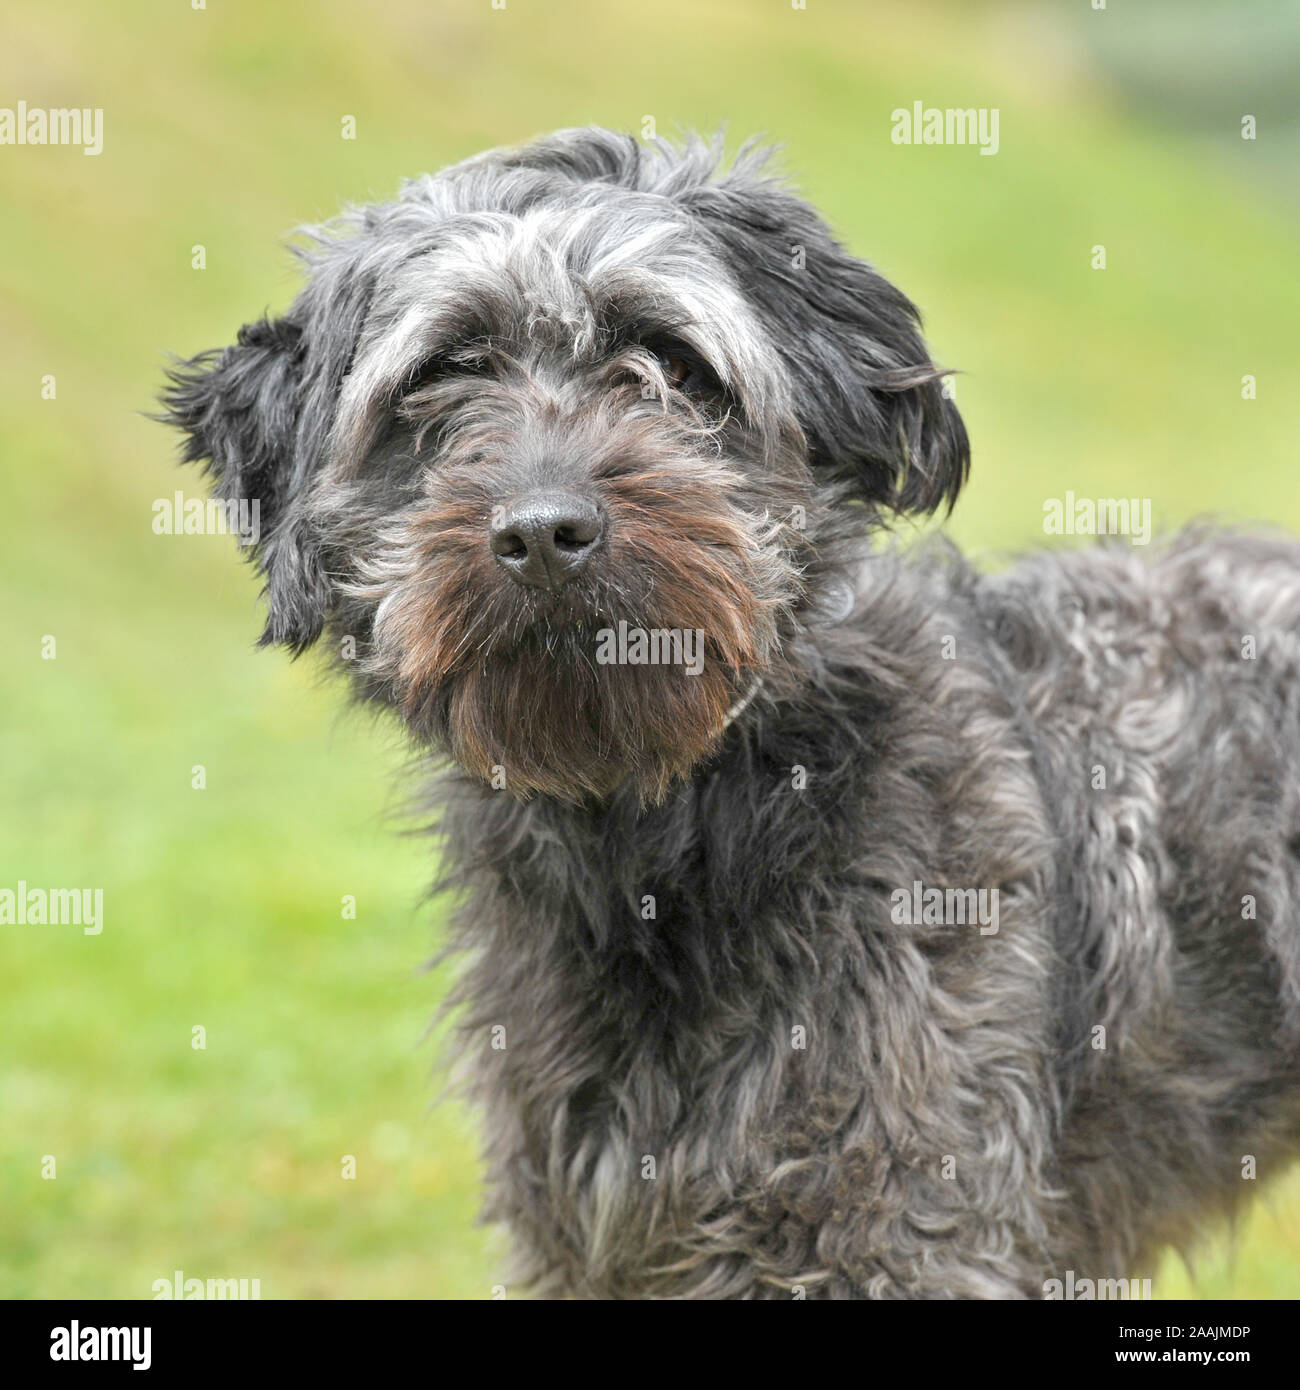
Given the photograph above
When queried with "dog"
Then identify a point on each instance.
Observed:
(835, 920)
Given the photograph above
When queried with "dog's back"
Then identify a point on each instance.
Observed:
(1162, 694)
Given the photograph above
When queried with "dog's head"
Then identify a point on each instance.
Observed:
(546, 446)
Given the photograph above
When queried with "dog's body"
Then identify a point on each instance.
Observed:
(719, 1050)
(955, 1124)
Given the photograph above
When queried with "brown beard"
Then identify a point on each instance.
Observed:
(509, 681)
(566, 728)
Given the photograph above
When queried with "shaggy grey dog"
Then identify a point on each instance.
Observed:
(835, 921)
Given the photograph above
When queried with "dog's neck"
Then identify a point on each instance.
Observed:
(832, 606)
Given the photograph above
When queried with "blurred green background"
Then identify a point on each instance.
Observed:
(223, 906)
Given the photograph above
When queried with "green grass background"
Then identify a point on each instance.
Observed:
(222, 128)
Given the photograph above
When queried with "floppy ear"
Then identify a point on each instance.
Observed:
(867, 395)
(259, 414)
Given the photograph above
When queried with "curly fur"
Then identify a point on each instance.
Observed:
(710, 1060)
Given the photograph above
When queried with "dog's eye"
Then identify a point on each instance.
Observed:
(676, 368)
(681, 368)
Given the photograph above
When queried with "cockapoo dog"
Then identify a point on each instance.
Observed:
(836, 922)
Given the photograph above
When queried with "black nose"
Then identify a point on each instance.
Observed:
(546, 540)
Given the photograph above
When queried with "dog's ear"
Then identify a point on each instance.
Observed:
(258, 414)
(869, 399)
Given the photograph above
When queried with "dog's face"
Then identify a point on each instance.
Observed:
(548, 445)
